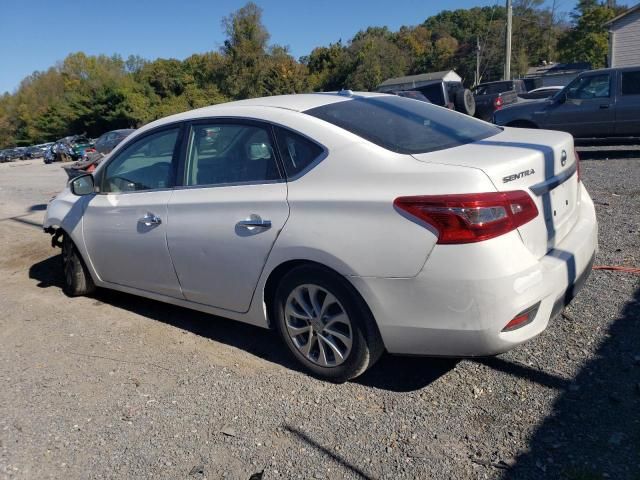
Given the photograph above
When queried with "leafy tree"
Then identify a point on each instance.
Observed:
(587, 40)
(92, 94)
(373, 57)
(284, 74)
(245, 52)
(327, 67)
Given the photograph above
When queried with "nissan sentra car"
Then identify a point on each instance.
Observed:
(352, 223)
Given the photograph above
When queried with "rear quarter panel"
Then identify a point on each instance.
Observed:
(342, 213)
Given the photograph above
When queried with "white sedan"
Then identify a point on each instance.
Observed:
(353, 223)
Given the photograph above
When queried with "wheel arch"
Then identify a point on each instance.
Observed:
(278, 273)
(58, 231)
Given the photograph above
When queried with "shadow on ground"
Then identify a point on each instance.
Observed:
(594, 430)
(398, 374)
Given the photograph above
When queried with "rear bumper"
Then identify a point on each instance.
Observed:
(466, 294)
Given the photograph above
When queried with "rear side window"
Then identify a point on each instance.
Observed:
(402, 125)
(630, 83)
(297, 152)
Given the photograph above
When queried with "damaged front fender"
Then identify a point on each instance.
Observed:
(64, 215)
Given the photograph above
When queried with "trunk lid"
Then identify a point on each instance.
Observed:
(540, 162)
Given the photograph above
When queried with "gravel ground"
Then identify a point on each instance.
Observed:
(116, 386)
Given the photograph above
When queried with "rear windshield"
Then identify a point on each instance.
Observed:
(403, 125)
(492, 88)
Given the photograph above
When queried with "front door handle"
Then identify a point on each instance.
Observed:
(150, 219)
(604, 105)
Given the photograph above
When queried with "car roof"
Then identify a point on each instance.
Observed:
(296, 102)
(610, 69)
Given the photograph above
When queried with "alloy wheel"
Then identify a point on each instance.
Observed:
(318, 325)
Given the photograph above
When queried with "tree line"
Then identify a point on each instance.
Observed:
(93, 94)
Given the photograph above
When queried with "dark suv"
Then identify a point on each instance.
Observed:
(597, 104)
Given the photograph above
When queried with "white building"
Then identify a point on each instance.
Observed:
(624, 39)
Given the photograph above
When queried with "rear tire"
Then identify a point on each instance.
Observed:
(77, 279)
(325, 324)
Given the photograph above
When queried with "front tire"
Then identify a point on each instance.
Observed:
(325, 324)
(77, 279)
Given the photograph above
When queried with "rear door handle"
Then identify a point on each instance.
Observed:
(604, 105)
(255, 223)
(150, 219)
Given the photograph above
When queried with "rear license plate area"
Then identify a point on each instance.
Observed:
(562, 201)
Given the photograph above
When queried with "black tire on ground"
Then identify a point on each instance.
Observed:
(366, 347)
(77, 279)
(465, 102)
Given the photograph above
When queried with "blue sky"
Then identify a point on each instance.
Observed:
(38, 33)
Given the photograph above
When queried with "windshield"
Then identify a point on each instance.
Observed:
(402, 125)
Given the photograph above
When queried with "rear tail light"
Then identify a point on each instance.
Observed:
(522, 319)
(473, 217)
(498, 102)
(577, 164)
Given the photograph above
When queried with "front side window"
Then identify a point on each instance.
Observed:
(584, 88)
(630, 83)
(297, 152)
(403, 125)
(146, 164)
(221, 154)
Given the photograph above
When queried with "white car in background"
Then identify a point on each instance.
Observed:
(353, 223)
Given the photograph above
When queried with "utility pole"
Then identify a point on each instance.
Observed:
(477, 81)
(551, 24)
(507, 61)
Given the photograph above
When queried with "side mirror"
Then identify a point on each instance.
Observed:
(562, 98)
(82, 185)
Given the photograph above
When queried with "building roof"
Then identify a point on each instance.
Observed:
(623, 14)
(557, 68)
(422, 77)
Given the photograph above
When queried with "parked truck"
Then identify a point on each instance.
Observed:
(597, 104)
(492, 96)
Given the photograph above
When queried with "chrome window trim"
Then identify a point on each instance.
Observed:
(230, 184)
